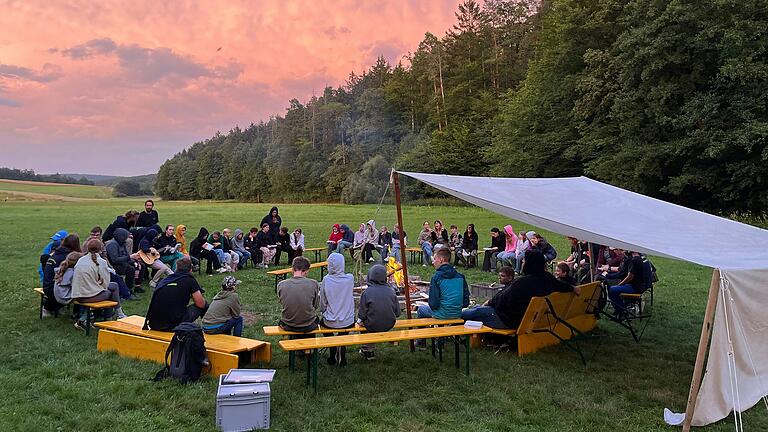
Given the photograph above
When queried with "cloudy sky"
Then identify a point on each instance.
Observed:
(115, 87)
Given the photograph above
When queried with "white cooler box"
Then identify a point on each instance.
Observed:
(243, 400)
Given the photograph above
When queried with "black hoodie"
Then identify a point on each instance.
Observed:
(379, 307)
(470, 240)
(274, 225)
(120, 222)
(511, 302)
(117, 254)
(197, 244)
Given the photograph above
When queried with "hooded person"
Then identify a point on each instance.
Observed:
(379, 307)
(120, 257)
(146, 245)
(238, 246)
(55, 242)
(197, 250)
(507, 256)
(337, 302)
(510, 304)
(180, 234)
(370, 240)
(275, 221)
(70, 243)
(347, 238)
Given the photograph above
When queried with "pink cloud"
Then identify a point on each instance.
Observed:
(90, 82)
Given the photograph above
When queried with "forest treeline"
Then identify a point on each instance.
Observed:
(29, 175)
(664, 97)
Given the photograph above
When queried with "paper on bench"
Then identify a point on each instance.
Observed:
(473, 324)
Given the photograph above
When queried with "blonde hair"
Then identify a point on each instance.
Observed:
(68, 263)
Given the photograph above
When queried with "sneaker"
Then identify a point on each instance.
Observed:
(152, 284)
(121, 315)
(423, 265)
(80, 325)
(47, 313)
(368, 355)
(221, 270)
(370, 259)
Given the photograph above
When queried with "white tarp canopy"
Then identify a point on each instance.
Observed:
(600, 213)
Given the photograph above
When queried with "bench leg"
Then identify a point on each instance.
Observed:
(468, 346)
(314, 369)
(42, 303)
(87, 320)
(291, 361)
(309, 367)
(456, 352)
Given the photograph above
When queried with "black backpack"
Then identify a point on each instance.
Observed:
(187, 354)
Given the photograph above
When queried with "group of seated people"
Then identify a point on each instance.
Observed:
(367, 239)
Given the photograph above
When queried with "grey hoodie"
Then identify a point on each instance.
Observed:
(116, 250)
(371, 234)
(337, 302)
(63, 290)
(238, 245)
(379, 307)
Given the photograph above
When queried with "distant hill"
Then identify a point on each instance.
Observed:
(110, 180)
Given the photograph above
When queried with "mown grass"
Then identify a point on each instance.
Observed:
(53, 378)
(66, 190)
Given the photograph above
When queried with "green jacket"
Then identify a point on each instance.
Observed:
(225, 306)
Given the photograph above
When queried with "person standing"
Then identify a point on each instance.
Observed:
(149, 216)
(274, 221)
(399, 242)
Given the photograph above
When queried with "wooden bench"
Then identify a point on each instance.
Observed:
(459, 334)
(413, 252)
(105, 304)
(556, 318)
(225, 352)
(283, 273)
(399, 325)
(317, 251)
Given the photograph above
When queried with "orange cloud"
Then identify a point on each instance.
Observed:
(149, 78)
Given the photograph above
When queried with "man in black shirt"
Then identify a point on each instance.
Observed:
(509, 304)
(632, 283)
(149, 216)
(169, 305)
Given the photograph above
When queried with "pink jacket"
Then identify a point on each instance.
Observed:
(511, 239)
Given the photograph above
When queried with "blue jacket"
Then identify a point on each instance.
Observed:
(448, 293)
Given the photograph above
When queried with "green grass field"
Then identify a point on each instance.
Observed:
(53, 378)
(31, 189)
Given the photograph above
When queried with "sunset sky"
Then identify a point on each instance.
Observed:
(113, 87)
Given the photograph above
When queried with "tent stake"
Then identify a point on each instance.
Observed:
(706, 332)
(403, 260)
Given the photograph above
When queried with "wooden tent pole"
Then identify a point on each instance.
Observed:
(403, 260)
(706, 332)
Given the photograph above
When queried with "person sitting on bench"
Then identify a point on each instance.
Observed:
(48, 250)
(146, 245)
(266, 245)
(71, 243)
(448, 291)
(299, 298)
(166, 245)
(486, 313)
(498, 243)
(223, 315)
(379, 306)
(467, 252)
(197, 250)
(509, 304)
(169, 304)
(238, 247)
(334, 239)
(337, 303)
(563, 273)
(633, 283)
(91, 281)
